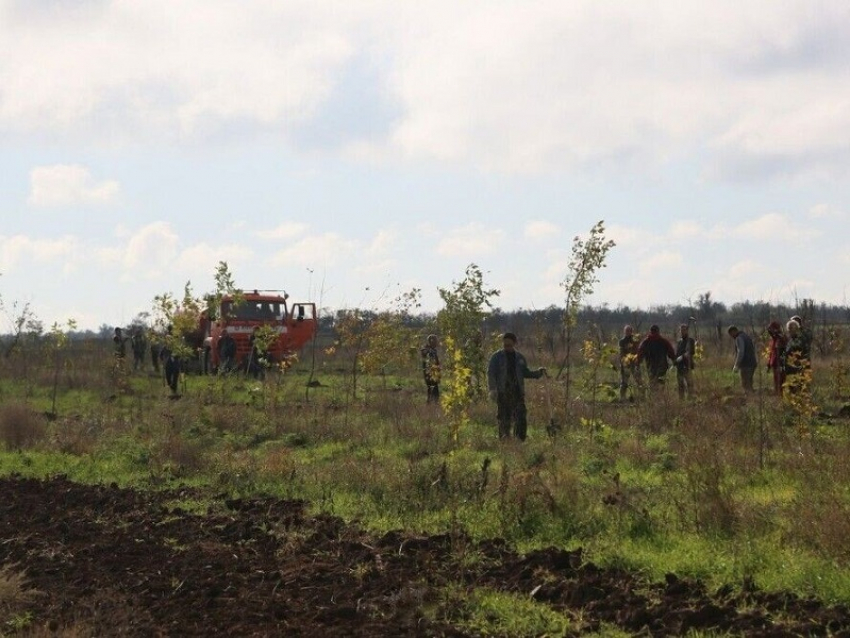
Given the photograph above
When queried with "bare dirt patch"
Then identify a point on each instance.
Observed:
(110, 561)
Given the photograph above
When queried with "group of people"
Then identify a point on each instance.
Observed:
(789, 356)
(160, 352)
(658, 355)
(163, 354)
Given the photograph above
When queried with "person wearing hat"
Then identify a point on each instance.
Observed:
(655, 350)
(806, 337)
(745, 357)
(431, 368)
(506, 374)
(776, 355)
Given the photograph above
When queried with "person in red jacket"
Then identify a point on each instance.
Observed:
(776, 355)
(656, 350)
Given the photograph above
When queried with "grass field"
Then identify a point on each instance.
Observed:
(720, 488)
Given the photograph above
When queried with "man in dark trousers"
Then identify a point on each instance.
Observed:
(685, 350)
(655, 350)
(226, 353)
(431, 368)
(257, 357)
(139, 344)
(119, 345)
(171, 361)
(506, 374)
(745, 357)
(796, 359)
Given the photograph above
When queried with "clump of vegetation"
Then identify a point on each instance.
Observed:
(15, 595)
(20, 427)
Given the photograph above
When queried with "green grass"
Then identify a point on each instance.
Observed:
(671, 488)
(487, 612)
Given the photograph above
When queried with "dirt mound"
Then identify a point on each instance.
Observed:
(110, 561)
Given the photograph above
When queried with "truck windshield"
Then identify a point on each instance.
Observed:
(253, 311)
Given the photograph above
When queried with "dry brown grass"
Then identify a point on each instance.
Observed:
(13, 588)
(178, 456)
(819, 515)
(75, 436)
(20, 427)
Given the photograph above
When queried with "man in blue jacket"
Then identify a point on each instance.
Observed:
(506, 374)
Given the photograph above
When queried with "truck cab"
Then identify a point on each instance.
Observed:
(295, 324)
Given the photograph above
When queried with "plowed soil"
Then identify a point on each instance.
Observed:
(115, 562)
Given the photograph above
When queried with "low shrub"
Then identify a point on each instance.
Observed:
(20, 427)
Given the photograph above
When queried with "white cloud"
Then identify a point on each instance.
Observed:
(285, 230)
(540, 229)
(584, 84)
(686, 230)
(108, 256)
(203, 258)
(470, 241)
(659, 262)
(17, 250)
(757, 89)
(745, 269)
(326, 250)
(628, 236)
(208, 64)
(151, 249)
(825, 211)
(68, 185)
(776, 227)
(385, 241)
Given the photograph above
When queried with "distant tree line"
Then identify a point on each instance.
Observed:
(544, 329)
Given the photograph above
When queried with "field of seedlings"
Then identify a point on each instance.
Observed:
(326, 500)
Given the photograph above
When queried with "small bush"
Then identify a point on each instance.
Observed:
(75, 436)
(179, 456)
(20, 428)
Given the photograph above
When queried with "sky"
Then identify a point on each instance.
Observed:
(348, 152)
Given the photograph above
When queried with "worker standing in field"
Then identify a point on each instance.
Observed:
(776, 355)
(745, 357)
(155, 339)
(629, 366)
(139, 345)
(656, 350)
(431, 368)
(506, 374)
(119, 346)
(685, 351)
(257, 357)
(806, 337)
(226, 352)
(171, 362)
(797, 362)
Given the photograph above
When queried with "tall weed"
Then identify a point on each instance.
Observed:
(20, 427)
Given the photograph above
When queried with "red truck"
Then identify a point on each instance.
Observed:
(295, 324)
